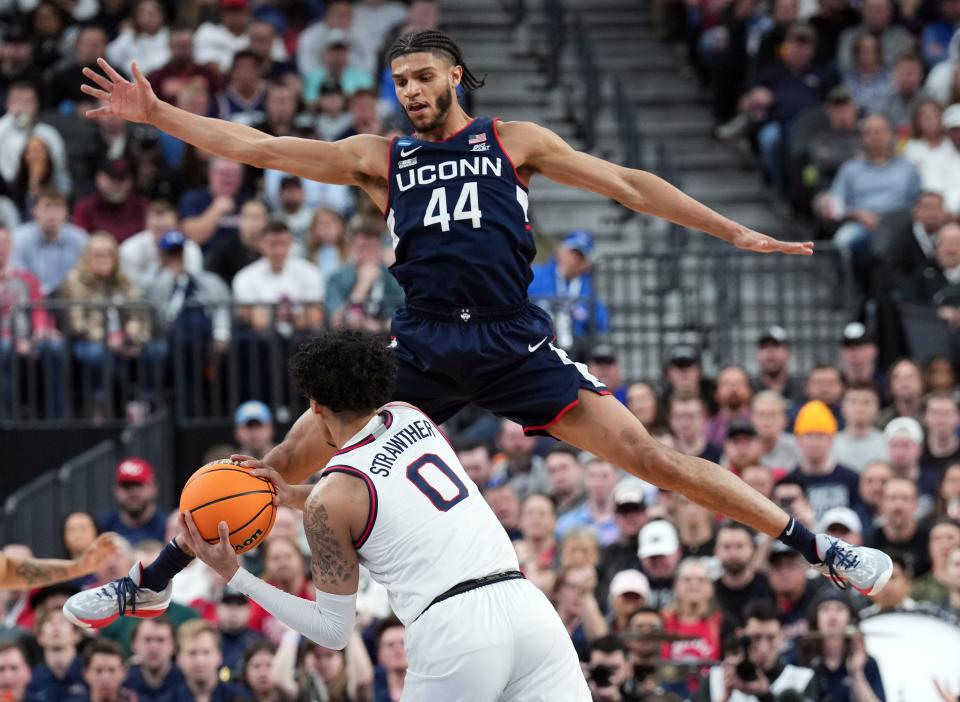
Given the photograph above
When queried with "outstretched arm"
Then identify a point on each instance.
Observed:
(353, 161)
(536, 149)
(24, 573)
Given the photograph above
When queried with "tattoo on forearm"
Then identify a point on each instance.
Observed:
(36, 572)
(329, 563)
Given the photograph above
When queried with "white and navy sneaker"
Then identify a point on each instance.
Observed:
(866, 570)
(98, 607)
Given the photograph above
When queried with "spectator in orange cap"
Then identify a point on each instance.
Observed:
(828, 483)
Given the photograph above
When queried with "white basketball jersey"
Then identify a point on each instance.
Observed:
(429, 526)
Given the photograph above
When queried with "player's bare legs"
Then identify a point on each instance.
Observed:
(601, 425)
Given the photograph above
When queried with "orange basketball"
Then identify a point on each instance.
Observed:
(224, 491)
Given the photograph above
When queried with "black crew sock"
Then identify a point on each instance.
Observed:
(796, 535)
(171, 561)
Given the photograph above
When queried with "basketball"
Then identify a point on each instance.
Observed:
(224, 491)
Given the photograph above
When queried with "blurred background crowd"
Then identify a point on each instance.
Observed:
(137, 273)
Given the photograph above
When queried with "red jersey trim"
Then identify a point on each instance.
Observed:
(516, 173)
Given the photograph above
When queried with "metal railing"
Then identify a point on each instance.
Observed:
(69, 377)
(556, 36)
(34, 514)
(721, 299)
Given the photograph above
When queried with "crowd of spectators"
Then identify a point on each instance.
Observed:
(663, 599)
(853, 108)
(132, 239)
(147, 242)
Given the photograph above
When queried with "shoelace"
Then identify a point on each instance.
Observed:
(840, 556)
(125, 590)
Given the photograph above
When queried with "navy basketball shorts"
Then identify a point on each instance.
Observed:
(502, 360)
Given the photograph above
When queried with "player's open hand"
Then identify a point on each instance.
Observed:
(119, 97)
(219, 556)
(102, 548)
(750, 240)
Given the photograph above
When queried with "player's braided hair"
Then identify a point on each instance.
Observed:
(438, 43)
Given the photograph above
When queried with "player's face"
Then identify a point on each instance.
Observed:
(14, 675)
(104, 675)
(153, 645)
(199, 658)
(425, 86)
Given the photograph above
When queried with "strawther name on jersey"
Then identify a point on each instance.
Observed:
(404, 438)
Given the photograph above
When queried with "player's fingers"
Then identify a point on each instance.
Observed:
(111, 71)
(137, 75)
(98, 112)
(242, 458)
(804, 248)
(95, 92)
(190, 531)
(97, 78)
(224, 532)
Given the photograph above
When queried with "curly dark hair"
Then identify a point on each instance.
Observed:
(346, 370)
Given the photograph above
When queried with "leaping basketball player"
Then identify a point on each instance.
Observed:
(455, 198)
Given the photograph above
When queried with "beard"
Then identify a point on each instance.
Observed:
(735, 569)
(444, 102)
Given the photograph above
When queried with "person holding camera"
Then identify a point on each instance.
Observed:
(753, 669)
(609, 673)
(844, 671)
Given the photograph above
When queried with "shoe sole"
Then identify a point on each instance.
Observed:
(107, 621)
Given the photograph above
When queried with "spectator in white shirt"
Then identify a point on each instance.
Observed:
(377, 17)
(932, 153)
(146, 39)
(278, 278)
(313, 40)
(860, 442)
(217, 43)
(19, 124)
(140, 254)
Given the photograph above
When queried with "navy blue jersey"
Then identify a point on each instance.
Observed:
(457, 211)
